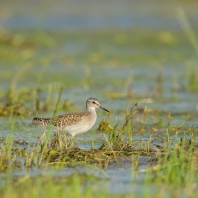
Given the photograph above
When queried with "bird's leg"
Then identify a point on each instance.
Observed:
(43, 136)
(60, 141)
(70, 141)
(42, 139)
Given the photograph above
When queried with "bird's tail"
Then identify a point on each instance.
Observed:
(42, 120)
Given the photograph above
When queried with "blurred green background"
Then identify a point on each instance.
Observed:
(121, 52)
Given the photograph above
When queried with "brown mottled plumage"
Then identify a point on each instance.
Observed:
(77, 122)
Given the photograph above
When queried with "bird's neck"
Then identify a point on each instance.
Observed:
(90, 109)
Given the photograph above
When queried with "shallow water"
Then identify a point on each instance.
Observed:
(93, 14)
(93, 49)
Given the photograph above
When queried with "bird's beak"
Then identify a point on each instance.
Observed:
(105, 109)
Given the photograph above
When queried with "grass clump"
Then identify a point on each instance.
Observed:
(28, 102)
(176, 164)
(113, 150)
(47, 186)
(169, 161)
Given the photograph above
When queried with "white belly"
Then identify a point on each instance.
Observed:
(78, 128)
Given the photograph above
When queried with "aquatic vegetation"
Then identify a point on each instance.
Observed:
(169, 161)
(147, 77)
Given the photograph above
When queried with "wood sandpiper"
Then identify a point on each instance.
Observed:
(77, 122)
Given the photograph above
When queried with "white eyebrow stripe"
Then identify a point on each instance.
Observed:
(95, 102)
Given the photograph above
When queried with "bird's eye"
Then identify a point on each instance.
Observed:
(93, 102)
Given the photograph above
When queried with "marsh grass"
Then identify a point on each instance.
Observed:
(47, 186)
(172, 164)
(28, 101)
(60, 149)
(171, 161)
(176, 163)
(112, 150)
